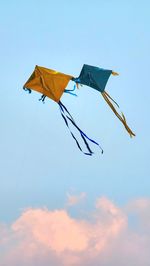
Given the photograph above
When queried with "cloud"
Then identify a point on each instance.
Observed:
(43, 237)
(75, 199)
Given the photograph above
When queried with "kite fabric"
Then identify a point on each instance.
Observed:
(94, 77)
(52, 84)
(97, 78)
(48, 82)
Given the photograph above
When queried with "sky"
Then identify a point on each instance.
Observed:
(58, 206)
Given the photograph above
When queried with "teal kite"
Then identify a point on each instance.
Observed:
(94, 77)
(97, 78)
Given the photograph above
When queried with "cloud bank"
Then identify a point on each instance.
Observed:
(110, 236)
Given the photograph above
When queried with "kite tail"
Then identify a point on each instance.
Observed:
(42, 98)
(26, 89)
(122, 118)
(68, 118)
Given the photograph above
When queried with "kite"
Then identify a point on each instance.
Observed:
(52, 84)
(97, 78)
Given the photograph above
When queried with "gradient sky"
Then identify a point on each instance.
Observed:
(40, 165)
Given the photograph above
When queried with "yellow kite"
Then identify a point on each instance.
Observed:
(52, 84)
(48, 82)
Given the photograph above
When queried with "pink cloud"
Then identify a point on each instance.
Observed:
(75, 199)
(43, 237)
(55, 230)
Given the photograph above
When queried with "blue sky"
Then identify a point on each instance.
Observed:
(39, 160)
